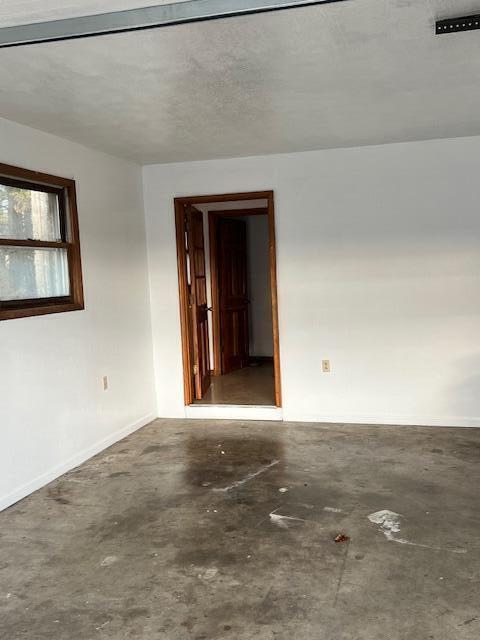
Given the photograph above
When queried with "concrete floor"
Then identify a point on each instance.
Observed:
(184, 531)
(251, 385)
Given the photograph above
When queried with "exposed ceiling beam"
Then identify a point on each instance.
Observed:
(164, 15)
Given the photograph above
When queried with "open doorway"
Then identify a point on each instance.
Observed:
(228, 299)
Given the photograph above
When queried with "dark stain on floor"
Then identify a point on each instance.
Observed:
(169, 534)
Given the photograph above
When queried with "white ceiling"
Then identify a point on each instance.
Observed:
(345, 74)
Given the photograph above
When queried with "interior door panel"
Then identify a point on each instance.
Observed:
(233, 294)
(198, 300)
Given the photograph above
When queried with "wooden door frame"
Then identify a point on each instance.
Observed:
(185, 325)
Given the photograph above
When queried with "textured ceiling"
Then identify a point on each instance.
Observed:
(353, 73)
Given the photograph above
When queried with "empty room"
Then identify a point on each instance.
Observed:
(239, 320)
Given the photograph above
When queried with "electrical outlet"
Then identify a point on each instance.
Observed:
(326, 366)
(105, 383)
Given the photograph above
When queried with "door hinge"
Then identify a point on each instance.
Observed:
(195, 369)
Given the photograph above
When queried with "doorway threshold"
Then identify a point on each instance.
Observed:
(233, 412)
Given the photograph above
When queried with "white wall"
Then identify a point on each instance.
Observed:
(378, 270)
(53, 410)
(259, 291)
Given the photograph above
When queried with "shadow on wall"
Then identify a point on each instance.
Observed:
(463, 397)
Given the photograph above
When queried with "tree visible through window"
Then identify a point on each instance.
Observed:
(40, 269)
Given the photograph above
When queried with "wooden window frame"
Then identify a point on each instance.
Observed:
(65, 189)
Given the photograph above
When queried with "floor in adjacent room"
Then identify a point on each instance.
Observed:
(253, 385)
(203, 530)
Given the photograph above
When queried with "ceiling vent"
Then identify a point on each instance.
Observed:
(452, 25)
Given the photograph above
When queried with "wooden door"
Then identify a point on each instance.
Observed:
(196, 276)
(233, 298)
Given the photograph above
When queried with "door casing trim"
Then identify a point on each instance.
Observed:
(185, 325)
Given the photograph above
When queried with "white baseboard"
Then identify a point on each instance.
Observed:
(72, 462)
(388, 420)
(233, 412)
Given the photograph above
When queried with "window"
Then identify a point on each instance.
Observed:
(40, 267)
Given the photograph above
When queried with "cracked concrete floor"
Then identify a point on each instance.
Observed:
(181, 531)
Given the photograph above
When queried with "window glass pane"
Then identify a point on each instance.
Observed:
(26, 214)
(27, 273)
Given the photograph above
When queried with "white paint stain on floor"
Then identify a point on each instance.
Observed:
(102, 626)
(247, 478)
(389, 522)
(108, 561)
(284, 522)
(209, 574)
